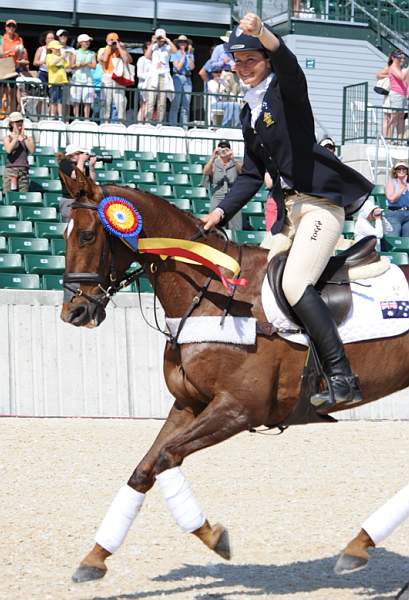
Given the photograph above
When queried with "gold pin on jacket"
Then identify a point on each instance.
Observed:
(268, 119)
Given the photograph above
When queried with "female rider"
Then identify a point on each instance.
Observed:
(312, 188)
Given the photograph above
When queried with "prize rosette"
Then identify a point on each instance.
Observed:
(119, 217)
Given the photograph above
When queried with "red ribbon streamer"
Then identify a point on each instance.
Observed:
(203, 261)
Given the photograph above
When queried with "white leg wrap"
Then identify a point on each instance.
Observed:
(383, 521)
(180, 500)
(119, 518)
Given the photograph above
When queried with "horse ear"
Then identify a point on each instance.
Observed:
(86, 184)
(70, 183)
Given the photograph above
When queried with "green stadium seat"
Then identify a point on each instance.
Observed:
(253, 208)
(108, 176)
(200, 205)
(196, 179)
(43, 264)
(198, 159)
(139, 155)
(150, 166)
(378, 190)
(11, 263)
(124, 165)
(189, 169)
(8, 212)
(257, 222)
(397, 258)
(20, 228)
(131, 177)
(39, 172)
(15, 281)
(37, 213)
(261, 195)
(24, 198)
(51, 185)
(28, 245)
(52, 199)
(182, 203)
(394, 244)
(46, 161)
(3, 244)
(44, 151)
(51, 282)
(58, 246)
(172, 158)
(348, 230)
(381, 201)
(173, 178)
(164, 191)
(248, 237)
(49, 230)
(187, 191)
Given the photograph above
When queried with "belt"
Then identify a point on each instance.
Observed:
(398, 208)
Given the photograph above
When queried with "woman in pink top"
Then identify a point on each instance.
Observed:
(398, 93)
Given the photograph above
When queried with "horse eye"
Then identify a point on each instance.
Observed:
(86, 236)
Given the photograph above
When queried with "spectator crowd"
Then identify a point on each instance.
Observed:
(72, 79)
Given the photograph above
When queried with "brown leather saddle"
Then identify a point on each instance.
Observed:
(333, 284)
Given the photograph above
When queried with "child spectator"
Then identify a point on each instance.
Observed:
(159, 83)
(112, 92)
(143, 67)
(17, 146)
(57, 76)
(68, 51)
(82, 92)
(41, 53)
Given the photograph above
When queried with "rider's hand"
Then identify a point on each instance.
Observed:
(251, 24)
(212, 219)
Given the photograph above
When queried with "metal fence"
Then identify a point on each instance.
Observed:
(33, 98)
(364, 122)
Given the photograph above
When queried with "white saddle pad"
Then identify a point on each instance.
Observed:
(380, 308)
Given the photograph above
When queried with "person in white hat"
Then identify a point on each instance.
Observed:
(75, 156)
(183, 64)
(397, 194)
(17, 146)
(159, 83)
(82, 90)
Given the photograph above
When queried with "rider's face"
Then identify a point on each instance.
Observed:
(252, 66)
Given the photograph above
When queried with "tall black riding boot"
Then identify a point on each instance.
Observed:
(321, 328)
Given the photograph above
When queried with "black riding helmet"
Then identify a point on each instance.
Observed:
(239, 42)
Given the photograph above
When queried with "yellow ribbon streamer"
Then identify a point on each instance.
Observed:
(212, 254)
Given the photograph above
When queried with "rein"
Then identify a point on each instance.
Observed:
(109, 285)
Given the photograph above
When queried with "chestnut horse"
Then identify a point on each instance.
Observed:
(219, 389)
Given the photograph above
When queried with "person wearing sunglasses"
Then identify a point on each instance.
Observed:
(397, 194)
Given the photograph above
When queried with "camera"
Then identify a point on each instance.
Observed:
(104, 159)
(114, 43)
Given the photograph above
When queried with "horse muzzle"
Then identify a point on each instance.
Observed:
(83, 314)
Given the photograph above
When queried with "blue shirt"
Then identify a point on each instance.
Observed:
(185, 70)
(216, 60)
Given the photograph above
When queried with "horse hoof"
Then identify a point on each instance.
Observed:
(404, 593)
(87, 573)
(347, 563)
(222, 547)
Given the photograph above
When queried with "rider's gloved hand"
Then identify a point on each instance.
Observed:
(213, 218)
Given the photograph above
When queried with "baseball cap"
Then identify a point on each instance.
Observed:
(327, 141)
(239, 42)
(160, 33)
(61, 32)
(84, 37)
(401, 163)
(54, 45)
(112, 37)
(15, 116)
(11, 22)
(73, 149)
